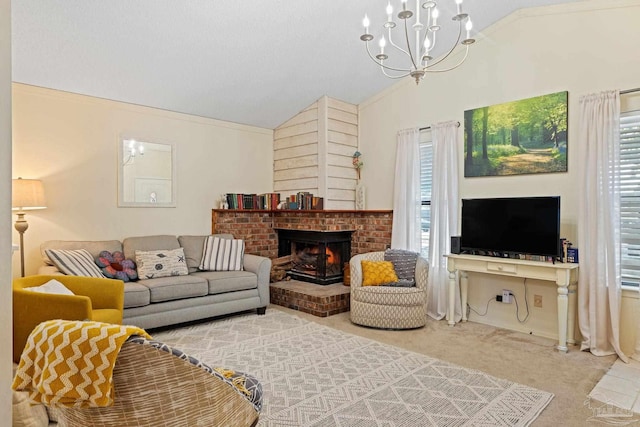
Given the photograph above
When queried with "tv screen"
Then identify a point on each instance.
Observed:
(511, 226)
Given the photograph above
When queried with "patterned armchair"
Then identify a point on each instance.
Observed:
(388, 306)
(157, 385)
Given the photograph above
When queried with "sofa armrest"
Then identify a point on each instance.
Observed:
(422, 272)
(261, 267)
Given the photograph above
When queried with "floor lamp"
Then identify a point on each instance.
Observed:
(27, 194)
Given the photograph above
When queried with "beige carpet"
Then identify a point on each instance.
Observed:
(509, 355)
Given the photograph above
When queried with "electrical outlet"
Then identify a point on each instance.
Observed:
(506, 296)
(537, 301)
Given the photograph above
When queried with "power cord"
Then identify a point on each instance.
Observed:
(486, 310)
(526, 303)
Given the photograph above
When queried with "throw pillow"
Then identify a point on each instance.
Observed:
(77, 262)
(162, 263)
(377, 273)
(51, 287)
(404, 262)
(222, 254)
(115, 266)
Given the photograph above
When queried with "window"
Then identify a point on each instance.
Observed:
(426, 165)
(630, 197)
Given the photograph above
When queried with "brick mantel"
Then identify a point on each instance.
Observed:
(371, 228)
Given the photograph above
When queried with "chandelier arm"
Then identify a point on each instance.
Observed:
(466, 52)
(450, 50)
(374, 59)
(393, 77)
(406, 36)
(395, 45)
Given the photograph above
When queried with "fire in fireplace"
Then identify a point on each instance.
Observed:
(316, 256)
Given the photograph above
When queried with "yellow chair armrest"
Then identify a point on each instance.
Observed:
(104, 293)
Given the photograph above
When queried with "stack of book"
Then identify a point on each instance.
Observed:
(304, 200)
(265, 201)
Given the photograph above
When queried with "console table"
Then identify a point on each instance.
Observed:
(564, 275)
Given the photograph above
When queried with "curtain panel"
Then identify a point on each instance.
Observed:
(599, 283)
(406, 230)
(444, 217)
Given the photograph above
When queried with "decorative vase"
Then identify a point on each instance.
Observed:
(360, 197)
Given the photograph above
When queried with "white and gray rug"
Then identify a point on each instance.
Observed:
(313, 375)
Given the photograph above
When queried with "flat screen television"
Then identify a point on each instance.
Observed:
(509, 227)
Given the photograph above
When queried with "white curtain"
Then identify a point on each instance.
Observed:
(444, 217)
(599, 284)
(405, 233)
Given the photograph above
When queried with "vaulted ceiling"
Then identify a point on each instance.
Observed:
(252, 62)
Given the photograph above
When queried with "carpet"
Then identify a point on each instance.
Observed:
(313, 375)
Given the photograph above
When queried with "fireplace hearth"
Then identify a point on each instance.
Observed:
(316, 256)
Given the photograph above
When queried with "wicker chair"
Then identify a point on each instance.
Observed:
(156, 385)
(386, 306)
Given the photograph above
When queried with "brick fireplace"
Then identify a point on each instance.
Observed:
(370, 229)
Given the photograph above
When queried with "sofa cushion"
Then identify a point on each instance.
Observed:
(175, 287)
(161, 263)
(192, 246)
(222, 254)
(147, 243)
(136, 295)
(78, 262)
(94, 247)
(228, 281)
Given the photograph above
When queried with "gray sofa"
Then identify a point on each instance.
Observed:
(164, 301)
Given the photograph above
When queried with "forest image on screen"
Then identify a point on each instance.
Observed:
(511, 226)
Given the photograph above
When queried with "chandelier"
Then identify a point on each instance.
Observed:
(417, 53)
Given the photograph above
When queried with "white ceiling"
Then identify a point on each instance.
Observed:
(253, 62)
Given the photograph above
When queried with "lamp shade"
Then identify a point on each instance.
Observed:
(28, 194)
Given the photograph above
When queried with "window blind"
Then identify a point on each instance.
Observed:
(630, 197)
(426, 165)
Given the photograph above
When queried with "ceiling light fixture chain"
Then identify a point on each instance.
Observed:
(418, 54)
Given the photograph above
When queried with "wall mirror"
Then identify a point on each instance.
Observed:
(147, 173)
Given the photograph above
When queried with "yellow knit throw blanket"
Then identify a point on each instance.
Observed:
(70, 363)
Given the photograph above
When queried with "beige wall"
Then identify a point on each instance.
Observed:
(70, 142)
(581, 47)
(5, 208)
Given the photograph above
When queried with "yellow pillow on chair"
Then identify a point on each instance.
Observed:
(377, 273)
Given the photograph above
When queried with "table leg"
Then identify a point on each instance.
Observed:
(464, 285)
(571, 321)
(563, 306)
(452, 298)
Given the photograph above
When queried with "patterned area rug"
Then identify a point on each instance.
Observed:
(314, 375)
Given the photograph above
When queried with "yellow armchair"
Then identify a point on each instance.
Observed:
(96, 299)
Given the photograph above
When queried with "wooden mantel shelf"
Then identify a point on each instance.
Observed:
(310, 211)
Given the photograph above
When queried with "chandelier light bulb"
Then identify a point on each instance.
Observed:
(404, 4)
(427, 44)
(365, 23)
(382, 43)
(389, 10)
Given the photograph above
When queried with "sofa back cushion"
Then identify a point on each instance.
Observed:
(94, 247)
(194, 247)
(148, 243)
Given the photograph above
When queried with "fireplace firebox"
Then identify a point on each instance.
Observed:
(316, 256)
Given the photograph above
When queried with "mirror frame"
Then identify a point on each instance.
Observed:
(121, 156)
